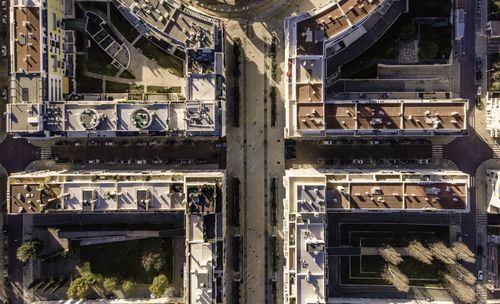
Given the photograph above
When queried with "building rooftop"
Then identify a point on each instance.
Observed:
(27, 44)
(358, 190)
(102, 190)
(106, 118)
(310, 116)
(330, 21)
(391, 114)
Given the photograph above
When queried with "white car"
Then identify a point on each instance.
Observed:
(423, 161)
(358, 161)
(4, 50)
(327, 142)
(4, 5)
(108, 143)
(374, 142)
(4, 19)
(140, 162)
(480, 275)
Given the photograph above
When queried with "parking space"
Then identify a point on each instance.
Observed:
(359, 152)
(140, 152)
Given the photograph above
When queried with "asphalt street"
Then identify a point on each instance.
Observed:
(199, 152)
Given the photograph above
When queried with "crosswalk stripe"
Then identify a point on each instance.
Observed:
(437, 151)
(46, 153)
(496, 151)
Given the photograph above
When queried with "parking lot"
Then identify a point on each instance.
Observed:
(140, 152)
(359, 152)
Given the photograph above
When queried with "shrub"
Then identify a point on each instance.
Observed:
(28, 251)
(159, 285)
(79, 288)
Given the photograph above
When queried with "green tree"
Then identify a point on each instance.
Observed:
(79, 288)
(127, 286)
(159, 285)
(111, 284)
(29, 250)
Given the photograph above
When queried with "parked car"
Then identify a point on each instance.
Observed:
(4, 94)
(4, 19)
(157, 161)
(479, 90)
(4, 5)
(423, 161)
(220, 145)
(480, 275)
(140, 162)
(125, 161)
(5, 229)
(479, 63)
(4, 50)
(358, 161)
(479, 75)
(93, 161)
(185, 162)
(479, 102)
(326, 142)
(374, 142)
(108, 143)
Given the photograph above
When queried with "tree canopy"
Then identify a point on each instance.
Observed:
(159, 285)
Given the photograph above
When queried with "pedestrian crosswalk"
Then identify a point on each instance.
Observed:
(481, 218)
(46, 153)
(437, 151)
(496, 150)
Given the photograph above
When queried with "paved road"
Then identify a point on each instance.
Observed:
(310, 152)
(17, 153)
(470, 151)
(205, 151)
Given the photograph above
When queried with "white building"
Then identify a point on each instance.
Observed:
(314, 42)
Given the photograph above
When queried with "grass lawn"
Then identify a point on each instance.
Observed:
(99, 61)
(118, 87)
(88, 84)
(124, 259)
(125, 28)
(157, 89)
(434, 42)
(165, 60)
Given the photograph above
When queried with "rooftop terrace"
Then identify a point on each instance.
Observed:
(329, 22)
(27, 44)
(404, 115)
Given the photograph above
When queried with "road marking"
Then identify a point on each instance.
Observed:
(496, 150)
(46, 153)
(437, 151)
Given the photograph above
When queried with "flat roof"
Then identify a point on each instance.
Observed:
(379, 116)
(371, 189)
(396, 115)
(309, 70)
(27, 43)
(309, 92)
(310, 116)
(340, 16)
(448, 115)
(201, 273)
(102, 190)
(25, 117)
(202, 86)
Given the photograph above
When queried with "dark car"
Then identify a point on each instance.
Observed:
(479, 75)
(479, 103)
(5, 229)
